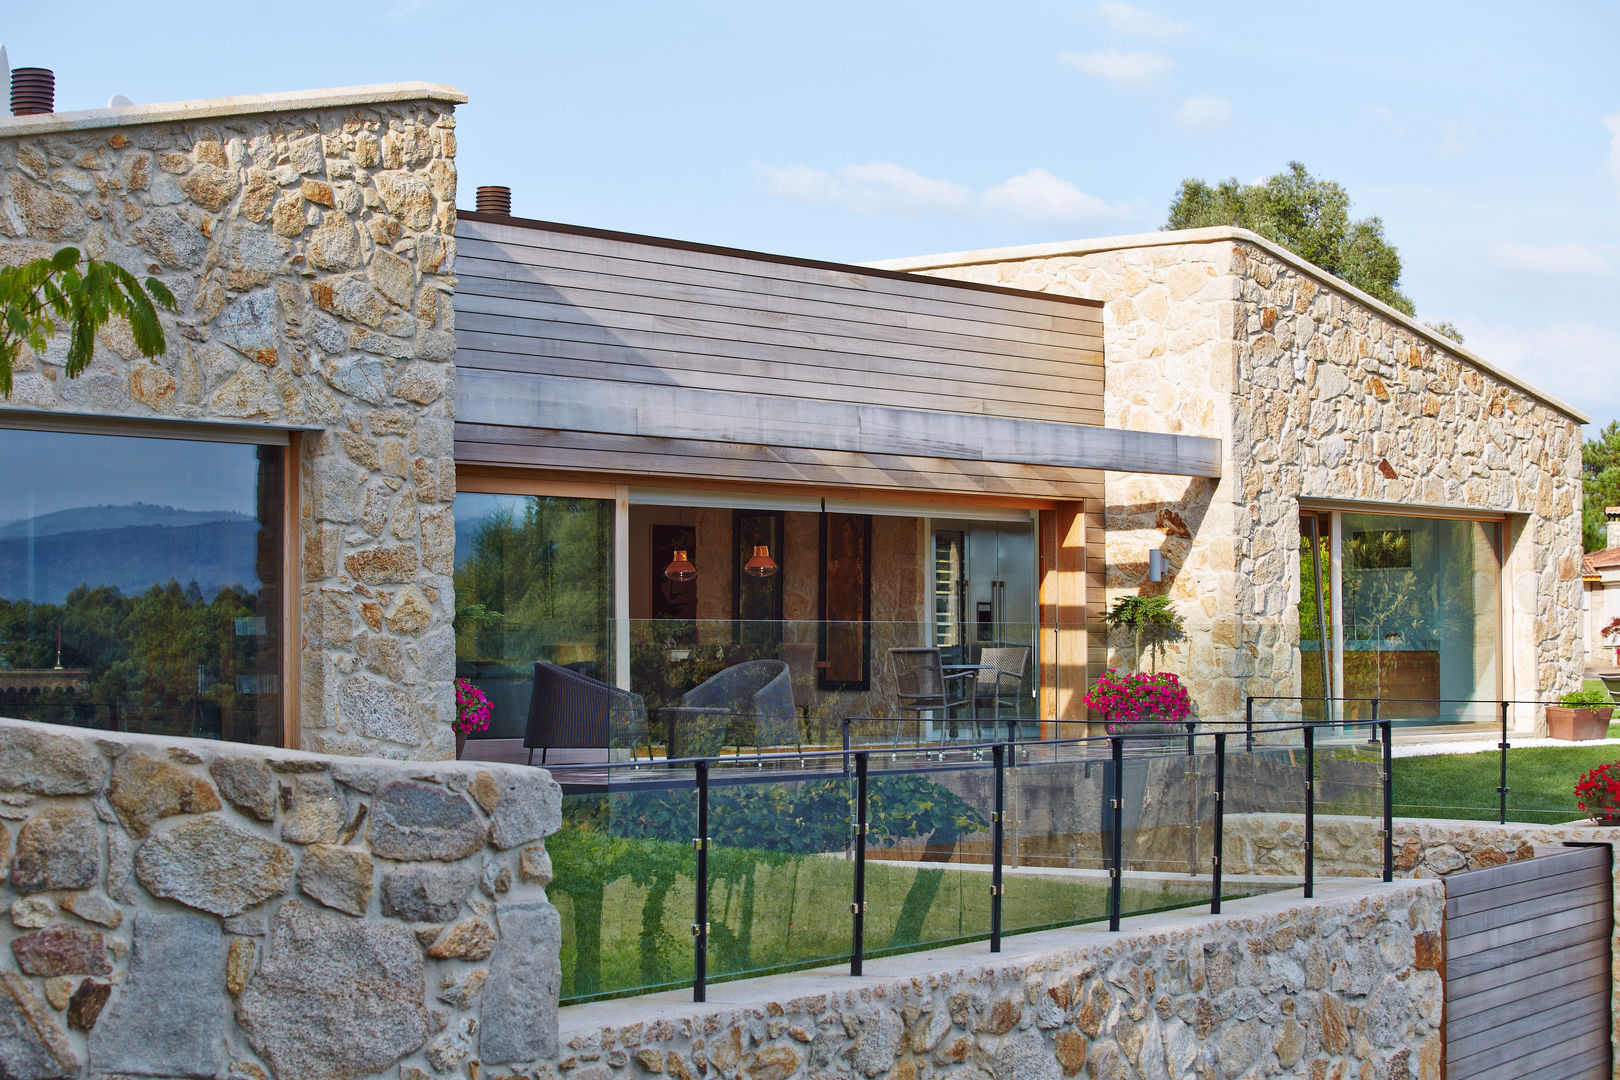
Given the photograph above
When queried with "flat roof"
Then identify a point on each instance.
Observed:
(1217, 234)
(245, 105)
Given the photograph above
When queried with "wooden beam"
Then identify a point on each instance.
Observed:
(507, 399)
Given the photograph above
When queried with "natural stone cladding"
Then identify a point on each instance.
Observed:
(309, 239)
(1310, 385)
(230, 915)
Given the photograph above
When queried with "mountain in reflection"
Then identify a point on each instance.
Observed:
(132, 547)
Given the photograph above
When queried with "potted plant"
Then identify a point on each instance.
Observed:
(1611, 632)
(1149, 617)
(472, 713)
(1597, 793)
(1139, 701)
(1580, 716)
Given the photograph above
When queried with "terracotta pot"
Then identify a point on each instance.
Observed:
(1578, 725)
(461, 743)
(1606, 821)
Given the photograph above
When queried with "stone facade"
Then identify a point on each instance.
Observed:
(184, 908)
(309, 240)
(1310, 384)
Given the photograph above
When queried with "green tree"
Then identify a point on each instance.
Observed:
(37, 296)
(1600, 484)
(1306, 215)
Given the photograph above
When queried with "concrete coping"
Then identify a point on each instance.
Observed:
(1212, 235)
(246, 105)
(1046, 949)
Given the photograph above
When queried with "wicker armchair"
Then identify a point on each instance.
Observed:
(754, 702)
(567, 709)
(922, 688)
(1000, 678)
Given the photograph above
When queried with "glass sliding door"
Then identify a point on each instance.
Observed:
(534, 581)
(984, 598)
(1413, 617)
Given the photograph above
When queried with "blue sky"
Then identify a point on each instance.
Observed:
(1485, 135)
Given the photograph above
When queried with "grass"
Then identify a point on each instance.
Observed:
(1541, 783)
(775, 913)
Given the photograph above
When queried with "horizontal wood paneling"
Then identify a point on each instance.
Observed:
(1528, 968)
(611, 311)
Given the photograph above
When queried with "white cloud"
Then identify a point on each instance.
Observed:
(1572, 361)
(886, 188)
(1038, 196)
(1452, 146)
(1130, 70)
(1554, 259)
(1204, 114)
(1132, 21)
(1613, 124)
(878, 188)
(1385, 117)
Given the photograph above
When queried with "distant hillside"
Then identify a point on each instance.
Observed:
(216, 554)
(95, 518)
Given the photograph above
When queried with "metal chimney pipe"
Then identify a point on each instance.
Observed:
(33, 91)
(495, 200)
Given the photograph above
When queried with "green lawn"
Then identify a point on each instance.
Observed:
(1541, 783)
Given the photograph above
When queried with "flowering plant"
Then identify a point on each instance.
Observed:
(472, 708)
(1126, 700)
(1597, 792)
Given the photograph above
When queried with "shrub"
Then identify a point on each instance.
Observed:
(1587, 698)
(1597, 792)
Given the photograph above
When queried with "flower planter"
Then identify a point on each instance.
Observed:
(461, 743)
(1578, 725)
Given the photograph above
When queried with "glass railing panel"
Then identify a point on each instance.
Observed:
(1168, 818)
(1349, 789)
(1263, 831)
(781, 864)
(624, 869)
(1055, 855)
(928, 848)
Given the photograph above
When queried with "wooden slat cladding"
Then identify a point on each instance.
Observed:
(1528, 968)
(612, 311)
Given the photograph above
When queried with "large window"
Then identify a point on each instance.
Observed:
(1403, 609)
(141, 584)
(534, 581)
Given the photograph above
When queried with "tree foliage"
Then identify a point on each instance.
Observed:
(1308, 216)
(39, 296)
(1149, 617)
(1600, 484)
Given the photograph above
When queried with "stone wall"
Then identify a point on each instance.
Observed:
(309, 241)
(1309, 384)
(1340, 987)
(184, 908)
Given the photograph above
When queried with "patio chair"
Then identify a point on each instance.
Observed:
(923, 687)
(754, 700)
(1611, 683)
(567, 709)
(1000, 679)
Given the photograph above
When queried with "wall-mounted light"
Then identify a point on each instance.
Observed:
(1155, 565)
(761, 565)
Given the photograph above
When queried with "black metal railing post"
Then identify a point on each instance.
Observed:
(1192, 802)
(700, 927)
(1117, 847)
(857, 906)
(997, 823)
(1248, 719)
(1310, 811)
(1389, 805)
(1220, 820)
(1372, 739)
(1502, 786)
(845, 725)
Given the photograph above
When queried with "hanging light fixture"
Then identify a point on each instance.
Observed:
(761, 565)
(680, 568)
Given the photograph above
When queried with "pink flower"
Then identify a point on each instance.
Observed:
(1126, 700)
(472, 708)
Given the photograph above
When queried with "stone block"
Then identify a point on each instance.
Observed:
(335, 998)
(33, 1045)
(337, 877)
(379, 710)
(518, 1007)
(49, 764)
(93, 907)
(85, 1004)
(313, 812)
(169, 1018)
(213, 866)
(412, 821)
(32, 913)
(58, 848)
(146, 789)
(529, 808)
(471, 939)
(247, 782)
(426, 893)
(61, 950)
